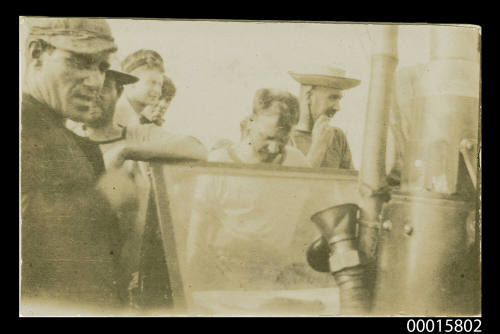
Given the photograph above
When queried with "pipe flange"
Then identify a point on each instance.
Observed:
(375, 224)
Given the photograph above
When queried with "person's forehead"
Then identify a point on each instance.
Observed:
(327, 91)
(97, 57)
(269, 124)
(266, 118)
(144, 72)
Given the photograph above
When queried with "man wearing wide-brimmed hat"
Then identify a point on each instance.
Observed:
(70, 233)
(320, 94)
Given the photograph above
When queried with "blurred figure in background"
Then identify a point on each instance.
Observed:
(238, 229)
(155, 113)
(140, 141)
(320, 95)
(148, 66)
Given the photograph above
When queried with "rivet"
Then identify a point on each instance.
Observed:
(408, 229)
(387, 225)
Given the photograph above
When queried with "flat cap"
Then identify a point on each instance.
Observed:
(80, 35)
(142, 57)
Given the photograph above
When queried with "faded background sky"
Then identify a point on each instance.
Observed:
(218, 66)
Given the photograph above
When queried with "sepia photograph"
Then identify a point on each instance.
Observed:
(222, 168)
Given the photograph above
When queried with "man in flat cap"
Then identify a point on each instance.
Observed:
(70, 234)
(320, 93)
(148, 66)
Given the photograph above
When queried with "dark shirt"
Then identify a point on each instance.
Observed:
(93, 153)
(70, 238)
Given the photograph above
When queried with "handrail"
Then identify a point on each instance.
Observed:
(260, 170)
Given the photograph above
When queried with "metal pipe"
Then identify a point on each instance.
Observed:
(355, 280)
(373, 172)
(425, 262)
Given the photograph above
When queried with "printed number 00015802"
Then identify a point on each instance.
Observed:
(444, 325)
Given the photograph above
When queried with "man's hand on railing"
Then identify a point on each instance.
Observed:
(118, 186)
(182, 147)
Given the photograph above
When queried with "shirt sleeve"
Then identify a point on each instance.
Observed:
(295, 158)
(346, 162)
(340, 152)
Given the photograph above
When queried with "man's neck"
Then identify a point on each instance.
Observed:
(31, 88)
(104, 133)
(305, 121)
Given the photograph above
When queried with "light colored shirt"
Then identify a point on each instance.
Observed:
(135, 217)
(246, 214)
(125, 114)
(338, 154)
(76, 127)
(136, 134)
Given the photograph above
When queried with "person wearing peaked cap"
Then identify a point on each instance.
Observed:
(70, 234)
(139, 141)
(320, 94)
(148, 66)
(80, 35)
(70, 56)
(96, 116)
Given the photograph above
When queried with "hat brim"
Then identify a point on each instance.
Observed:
(122, 78)
(325, 80)
(89, 45)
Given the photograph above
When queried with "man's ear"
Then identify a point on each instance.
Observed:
(119, 90)
(309, 94)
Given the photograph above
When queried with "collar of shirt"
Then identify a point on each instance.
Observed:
(77, 128)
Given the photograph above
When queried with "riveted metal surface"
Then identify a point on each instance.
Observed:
(424, 265)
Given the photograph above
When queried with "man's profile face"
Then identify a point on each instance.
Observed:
(148, 89)
(70, 82)
(102, 113)
(268, 139)
(325, 101)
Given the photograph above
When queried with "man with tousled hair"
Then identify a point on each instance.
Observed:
(234, 217)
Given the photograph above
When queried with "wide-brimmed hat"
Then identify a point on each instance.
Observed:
(80, 35)
(325, 76)
(117, 74)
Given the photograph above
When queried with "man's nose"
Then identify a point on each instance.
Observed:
(335, 105)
